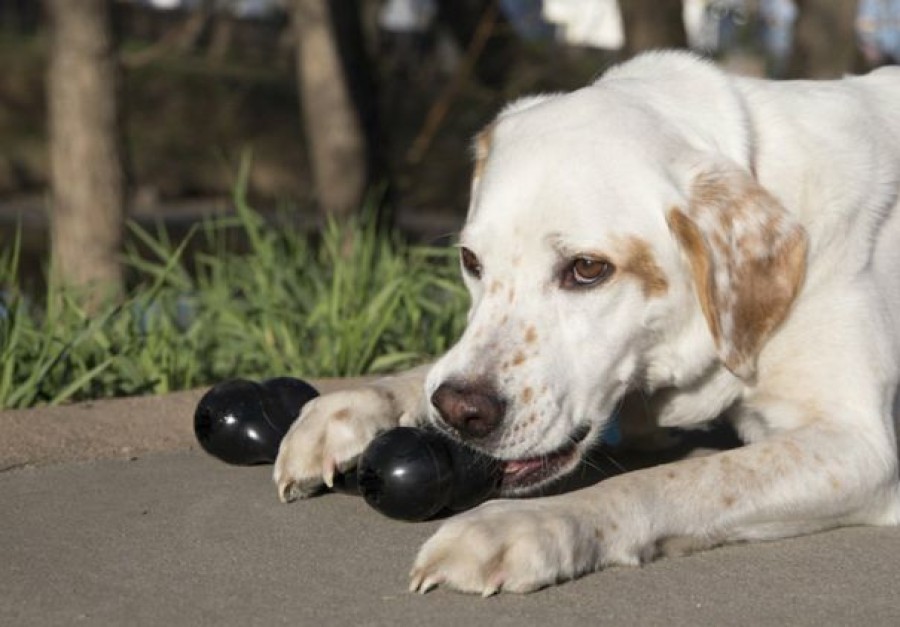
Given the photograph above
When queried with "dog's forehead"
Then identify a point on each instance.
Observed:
(578, 168)
(612, 111)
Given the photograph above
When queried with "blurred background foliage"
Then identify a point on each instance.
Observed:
(132, 261)
(203, 80)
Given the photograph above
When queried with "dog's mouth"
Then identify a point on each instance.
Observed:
(521, 476)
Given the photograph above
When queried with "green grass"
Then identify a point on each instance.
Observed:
(348, 301)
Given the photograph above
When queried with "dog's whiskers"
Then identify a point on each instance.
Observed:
(590, 464)
(613, 461)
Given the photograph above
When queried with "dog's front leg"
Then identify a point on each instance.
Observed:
(806, 480)
(333, 429)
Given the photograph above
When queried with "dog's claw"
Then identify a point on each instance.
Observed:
(423, 583)
(289, 492)
(415, 580)
(490, 591)
(328, 469)
(493, 586)
(429, 584)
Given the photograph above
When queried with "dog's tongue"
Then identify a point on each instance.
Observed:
(517, 466)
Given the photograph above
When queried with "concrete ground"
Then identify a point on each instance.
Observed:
(112, 516)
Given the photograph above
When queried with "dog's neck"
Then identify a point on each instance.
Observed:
(684, 376)
(680, 354)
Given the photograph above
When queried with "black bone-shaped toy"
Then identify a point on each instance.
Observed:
(404, 473)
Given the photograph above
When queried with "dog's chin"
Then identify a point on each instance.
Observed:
(527, 476)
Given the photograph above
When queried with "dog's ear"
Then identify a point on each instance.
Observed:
(747, 255)
(481, 148)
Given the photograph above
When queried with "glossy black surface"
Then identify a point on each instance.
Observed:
(414, 474)
(242, 422)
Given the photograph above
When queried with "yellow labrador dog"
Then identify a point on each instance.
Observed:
(717, 245)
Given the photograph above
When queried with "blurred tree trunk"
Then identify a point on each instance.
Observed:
(221, 38)
(333, 128)
(184, 38)
(824, 39)
(187, 38)
(463, 17)
(87, 178)
(652, 24)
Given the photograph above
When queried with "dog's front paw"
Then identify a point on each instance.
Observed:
(328, 437)
(513, 546)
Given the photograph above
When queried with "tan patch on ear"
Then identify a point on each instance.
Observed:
(766, 289)
(748, 257)
(691, 240)
(730, 199)
(640, 263)
(483, 141)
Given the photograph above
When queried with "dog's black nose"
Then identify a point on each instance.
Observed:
(474, 411)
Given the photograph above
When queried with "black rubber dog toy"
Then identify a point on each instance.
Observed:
(415, 474)
(404, 473)
(243, 422)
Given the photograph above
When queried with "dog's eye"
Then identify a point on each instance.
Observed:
(470, 262)
(585, 271)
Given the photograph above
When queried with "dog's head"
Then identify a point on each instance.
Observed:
(604, 250)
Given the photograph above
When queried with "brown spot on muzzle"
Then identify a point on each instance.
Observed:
(527, 395)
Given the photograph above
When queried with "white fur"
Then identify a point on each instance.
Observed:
(581, 173)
